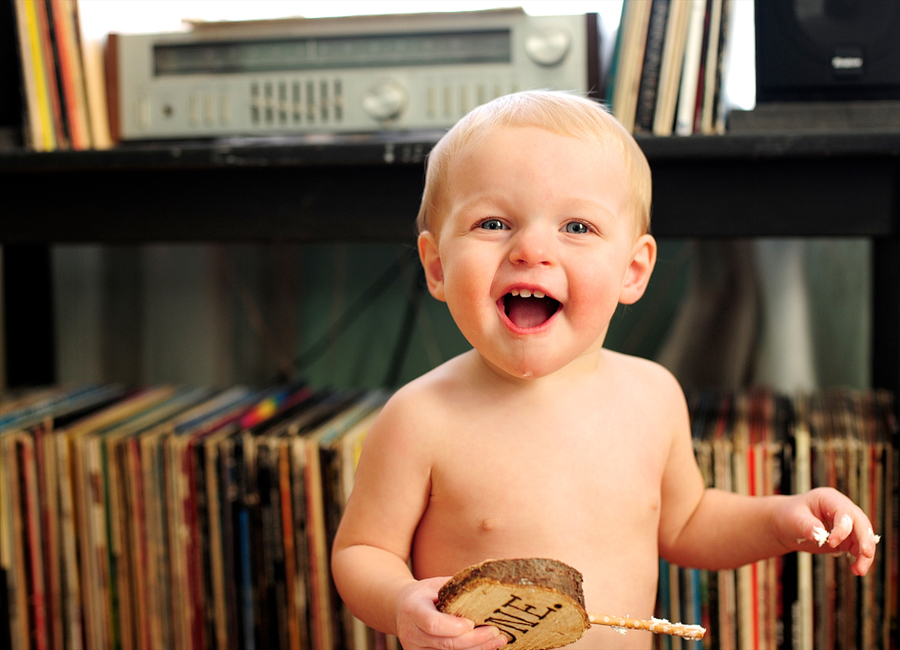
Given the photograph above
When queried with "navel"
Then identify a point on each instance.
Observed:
(488, 524)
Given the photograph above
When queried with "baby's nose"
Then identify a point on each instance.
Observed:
(532, 247)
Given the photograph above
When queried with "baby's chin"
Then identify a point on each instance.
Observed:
(525, 368)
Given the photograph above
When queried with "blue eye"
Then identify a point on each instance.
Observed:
(577, 228)
(492, 224)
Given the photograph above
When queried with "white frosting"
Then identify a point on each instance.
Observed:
(820, 535)
(661, 625)
(656, 625)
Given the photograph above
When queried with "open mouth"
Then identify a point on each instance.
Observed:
(529, 309)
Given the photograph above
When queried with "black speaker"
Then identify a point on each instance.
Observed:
(827, 50)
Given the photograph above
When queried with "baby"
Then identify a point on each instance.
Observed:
(539, 442)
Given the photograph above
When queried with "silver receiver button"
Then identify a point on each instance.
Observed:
(548, 46)
(385, 101)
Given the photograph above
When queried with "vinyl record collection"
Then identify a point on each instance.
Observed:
(63, 78)
(168, 517)
(761, 443)
(176, 518)
(667, 71)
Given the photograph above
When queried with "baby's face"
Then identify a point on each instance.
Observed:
(533, 248)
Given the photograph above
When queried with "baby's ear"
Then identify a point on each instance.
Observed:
(431, 263)
(643, 259)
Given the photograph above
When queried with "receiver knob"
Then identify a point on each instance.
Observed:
(548, 46)
(384, 101)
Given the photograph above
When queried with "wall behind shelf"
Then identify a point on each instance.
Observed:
(226, 314)
(219, 315)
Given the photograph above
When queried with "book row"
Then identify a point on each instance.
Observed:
(760, 443)
(63, 78)
(666, 74)
(192, 518)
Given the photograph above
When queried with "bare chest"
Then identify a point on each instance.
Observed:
(561, 487)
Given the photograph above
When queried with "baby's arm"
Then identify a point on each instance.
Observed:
(714, 529)
(373, 543)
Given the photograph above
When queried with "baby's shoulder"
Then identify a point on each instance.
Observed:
(653, 399)
(639, 368)
(432, 397)
(646, 378)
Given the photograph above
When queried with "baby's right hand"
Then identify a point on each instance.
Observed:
(421, 626)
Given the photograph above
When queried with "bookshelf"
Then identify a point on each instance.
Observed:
(332, 189)
(309, 190)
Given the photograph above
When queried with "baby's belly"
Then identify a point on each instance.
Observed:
(615, 548)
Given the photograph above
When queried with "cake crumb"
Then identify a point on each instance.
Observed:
(820, 535)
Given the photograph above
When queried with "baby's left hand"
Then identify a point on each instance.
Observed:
(825, 521)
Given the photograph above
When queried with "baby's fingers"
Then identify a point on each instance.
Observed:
(843, 527)
(485, 637)
(853, 526)
(860, 542)
(863, 564)
(479, 638)
(851, 533)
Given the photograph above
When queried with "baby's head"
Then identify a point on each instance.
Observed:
(559, 113)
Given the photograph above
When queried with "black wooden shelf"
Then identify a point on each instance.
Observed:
(366, 188)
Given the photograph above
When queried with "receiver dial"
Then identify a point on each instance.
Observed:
(549, 46)
(385, 101)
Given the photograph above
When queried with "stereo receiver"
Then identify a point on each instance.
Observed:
(340, 75)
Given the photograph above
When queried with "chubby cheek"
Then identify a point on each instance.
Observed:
(468, 297)
(592, 302)
(592, 321)
(464, 284)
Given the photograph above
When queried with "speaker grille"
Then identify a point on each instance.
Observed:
(827, 50)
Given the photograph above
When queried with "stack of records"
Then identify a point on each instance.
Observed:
(177, 518)
(168, 517)
(762, 443)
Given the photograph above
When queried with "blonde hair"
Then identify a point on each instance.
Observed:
(558, 112)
